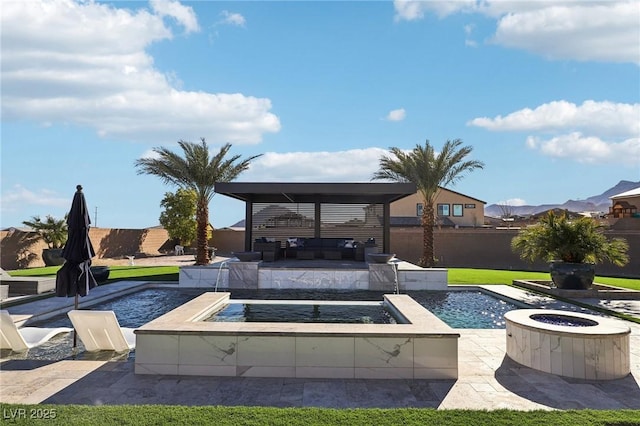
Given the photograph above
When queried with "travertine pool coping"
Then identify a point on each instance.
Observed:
(188, 319)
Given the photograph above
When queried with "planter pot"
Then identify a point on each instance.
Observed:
(52, 257)
(100, 273)
(572, 276)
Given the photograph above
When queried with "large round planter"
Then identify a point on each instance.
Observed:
(572, 276)
(52, 257)
(100, 273)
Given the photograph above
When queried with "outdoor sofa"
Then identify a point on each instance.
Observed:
(321, 248)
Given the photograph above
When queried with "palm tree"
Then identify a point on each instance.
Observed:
(429, 171)
(198, 172)
(53, 231)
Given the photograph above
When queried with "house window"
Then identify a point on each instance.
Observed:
(469, 206)
(443, 209)
(457, 209)
(419, 209)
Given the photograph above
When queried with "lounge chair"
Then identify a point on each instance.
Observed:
(21, 339)
(100, 331)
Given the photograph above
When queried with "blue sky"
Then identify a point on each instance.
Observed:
(546, 92)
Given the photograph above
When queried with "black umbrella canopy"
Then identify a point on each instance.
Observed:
(74, 277)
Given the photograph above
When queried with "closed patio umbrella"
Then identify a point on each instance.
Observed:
(74, 278)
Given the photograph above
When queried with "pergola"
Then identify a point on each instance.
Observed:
(317, 194)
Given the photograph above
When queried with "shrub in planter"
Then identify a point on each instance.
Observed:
(572, 246)
(54, 233)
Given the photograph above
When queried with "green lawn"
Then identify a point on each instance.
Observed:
(491, 276)
(135, 273)
(232, 416)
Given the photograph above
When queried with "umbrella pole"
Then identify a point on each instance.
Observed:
(75, 335)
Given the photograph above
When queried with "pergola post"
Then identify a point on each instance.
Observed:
(386, 228)
(248, 225)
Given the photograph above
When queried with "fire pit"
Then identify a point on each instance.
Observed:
(569, 344)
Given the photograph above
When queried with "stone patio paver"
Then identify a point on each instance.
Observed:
(487, 380)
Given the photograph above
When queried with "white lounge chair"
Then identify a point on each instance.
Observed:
(21, 339)
(100, 331)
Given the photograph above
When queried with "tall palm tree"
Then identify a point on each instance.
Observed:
(198, 172)
(429, 171)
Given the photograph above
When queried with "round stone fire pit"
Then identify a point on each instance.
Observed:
(569, 344)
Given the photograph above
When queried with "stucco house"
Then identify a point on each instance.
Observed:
(625, 204)
(453, 209)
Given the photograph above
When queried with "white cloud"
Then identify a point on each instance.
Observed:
(594, 132)
(581, 30)
(151, 154)
(468, 32)
(232, 18)
(19, 196)
(99, 75)
(587, 31)
(588, 149)
(183, 14)
(411, 10)
(396, 115)
(355, 165)
(602, 118)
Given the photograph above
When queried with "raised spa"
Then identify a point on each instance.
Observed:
(180, 343)
(568, 343)
(303, 311)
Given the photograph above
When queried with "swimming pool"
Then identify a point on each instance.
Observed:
(459, 309)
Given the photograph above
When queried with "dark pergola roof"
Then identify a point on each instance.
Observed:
(338, 193)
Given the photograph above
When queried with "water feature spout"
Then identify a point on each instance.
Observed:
(396, 284)
(219, 273)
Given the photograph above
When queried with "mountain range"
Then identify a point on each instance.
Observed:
(595, 203)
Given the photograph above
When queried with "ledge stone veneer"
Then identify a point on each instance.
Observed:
(177, 343)
(599, 352)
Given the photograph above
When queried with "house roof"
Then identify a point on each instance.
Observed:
(338, 193)
(631, 193)
(463, 195)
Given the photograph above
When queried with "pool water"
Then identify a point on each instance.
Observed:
(459, 309)
(356, 313)
(466, 309)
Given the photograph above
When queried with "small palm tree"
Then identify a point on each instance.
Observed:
(53, 231)
(556, 238)
(429, 171)
(198, 172)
